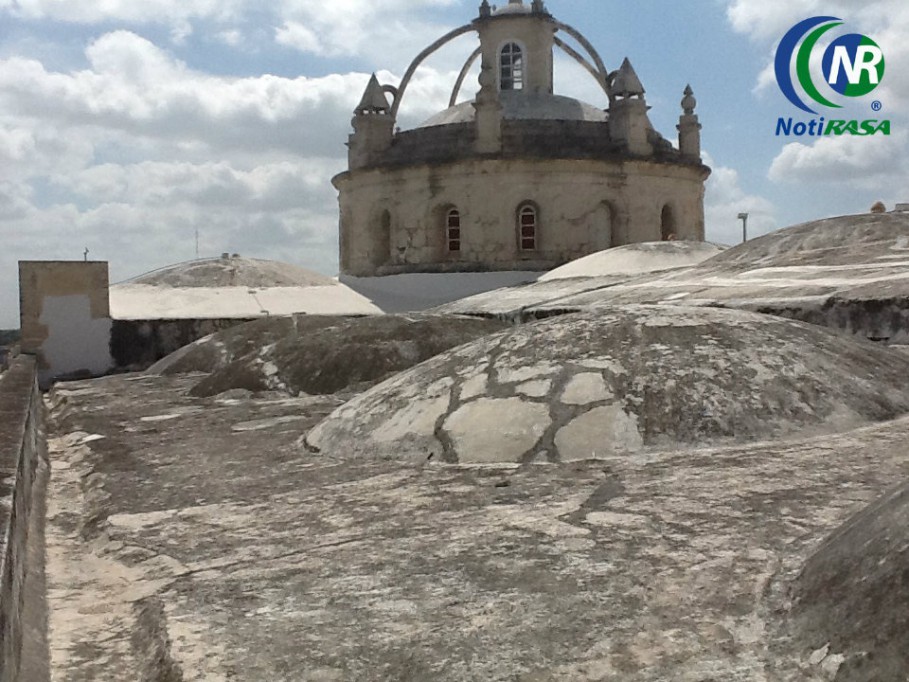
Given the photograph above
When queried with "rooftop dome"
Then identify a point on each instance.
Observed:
(618, 382)
(233, 272)
(518, 106)
(233, 288)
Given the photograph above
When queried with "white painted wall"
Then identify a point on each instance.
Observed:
(76, 341)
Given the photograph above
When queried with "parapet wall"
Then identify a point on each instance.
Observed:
(22, 449)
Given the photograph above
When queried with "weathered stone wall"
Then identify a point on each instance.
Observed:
(22, 452)
(137, 344)
(584, 206)
(65, 317)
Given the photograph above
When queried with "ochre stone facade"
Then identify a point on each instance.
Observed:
(519, 178)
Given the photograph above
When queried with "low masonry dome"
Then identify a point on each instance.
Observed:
(617, 383)
(231, 287)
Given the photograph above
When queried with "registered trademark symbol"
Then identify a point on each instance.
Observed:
(876, 105)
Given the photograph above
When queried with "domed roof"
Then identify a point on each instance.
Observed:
(634, 259)
(620, 381)
(233, 288)
(233, 272)
(524, 106)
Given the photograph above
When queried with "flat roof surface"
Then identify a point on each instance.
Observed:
(195, 535)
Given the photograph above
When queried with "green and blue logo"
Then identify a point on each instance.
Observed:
(852, 66)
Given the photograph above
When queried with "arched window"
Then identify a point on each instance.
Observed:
(667, 224)
(381, 240)
(511, 67)
(453, 230)
(527, 227)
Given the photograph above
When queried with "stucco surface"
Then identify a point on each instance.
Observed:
(320, 355)
(145, 302)
(634, 259)
(618, 383)
(185, 547)
(233, 272)
(584, 205)
(849, 273)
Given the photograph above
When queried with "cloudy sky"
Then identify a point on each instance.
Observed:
(127, 126)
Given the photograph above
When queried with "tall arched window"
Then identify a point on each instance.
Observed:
(527, 227)
(453, 230)
(667, 224)
(511, 67)
(380, 251)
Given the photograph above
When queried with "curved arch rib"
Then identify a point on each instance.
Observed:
(579, 58)
(461, 76)
(447, 38)
(574, 33)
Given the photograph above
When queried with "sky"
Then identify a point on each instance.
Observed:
(128, 128)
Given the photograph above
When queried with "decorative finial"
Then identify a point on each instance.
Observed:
(626, 83)
(538, 7)
(374, 100)
(485, 9)
(689, 102)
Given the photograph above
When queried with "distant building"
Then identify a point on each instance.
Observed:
(519, 179)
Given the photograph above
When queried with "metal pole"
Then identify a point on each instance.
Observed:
(744, 218)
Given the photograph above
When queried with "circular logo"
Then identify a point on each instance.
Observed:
(852, 65)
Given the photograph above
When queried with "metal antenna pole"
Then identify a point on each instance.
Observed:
(744, 218)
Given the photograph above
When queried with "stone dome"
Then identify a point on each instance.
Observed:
(517, 106)
(233, 288)
(619, 382)
(234, 272)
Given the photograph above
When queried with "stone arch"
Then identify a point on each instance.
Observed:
(380, 238)
(668, 224)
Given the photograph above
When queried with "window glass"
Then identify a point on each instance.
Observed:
(527, 228)
(453, 230)
(512, 67)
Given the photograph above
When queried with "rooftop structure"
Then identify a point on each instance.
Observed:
(518, 178)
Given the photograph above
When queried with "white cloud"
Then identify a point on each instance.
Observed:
(866, 162)
(299, 37)
(175, 12)
(725, 199)
(135, 87)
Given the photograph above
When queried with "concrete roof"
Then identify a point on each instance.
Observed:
(524, 106)
(636, 259)
(190, 539)
(143, 302)
(233, 288)
(849, 273)
(618, 383)
(233, 271)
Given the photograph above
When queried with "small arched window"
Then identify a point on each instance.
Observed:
(527, 227)
(453, 230)
(511, 67)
